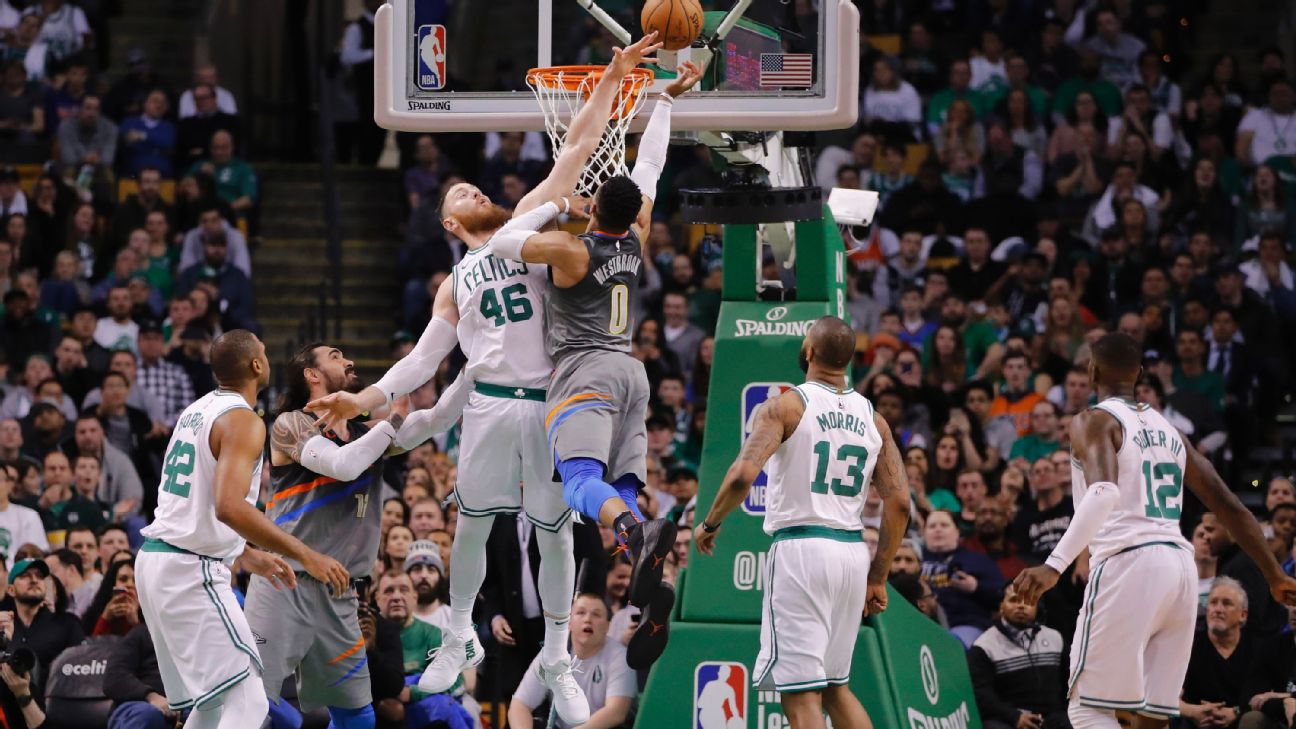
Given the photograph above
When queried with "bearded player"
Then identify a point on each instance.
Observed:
(492, 307)
(327, 494)
(598, 396)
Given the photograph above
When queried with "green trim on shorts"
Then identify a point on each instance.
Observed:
(483, 512)
(221, 688)
(510, 393)
(838, 681)
(769, 593)
(1139, 707)
(795, 688)
(816, 531)
(1084, 640)
(1159, 710)
(220, 609)
(556, 526)
(157, 545)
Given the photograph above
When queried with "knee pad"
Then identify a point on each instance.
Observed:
(583, 487)
(361, 718)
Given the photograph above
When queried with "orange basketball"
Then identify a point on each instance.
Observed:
(677, 22)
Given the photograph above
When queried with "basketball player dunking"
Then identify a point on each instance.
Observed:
(493, 308)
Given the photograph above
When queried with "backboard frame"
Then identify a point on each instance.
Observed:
(517, 111)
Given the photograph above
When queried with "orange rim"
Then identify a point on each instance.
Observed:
(583, 79)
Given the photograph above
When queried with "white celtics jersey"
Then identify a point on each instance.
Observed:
(820, 476)
(186, 510)
(1150, 468)
(501, 319)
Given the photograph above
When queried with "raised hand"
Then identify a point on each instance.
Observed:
(626, 59)
(689, 74)
(334, 411)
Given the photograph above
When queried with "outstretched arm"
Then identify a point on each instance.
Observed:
(1205, 482)
(1095, 441)
(407, 375)
(892, 485)
(295, 437)
(423, 424)
(587, 126)
(774, 423)
(651, 159)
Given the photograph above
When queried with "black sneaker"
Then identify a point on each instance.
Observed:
(650, 543)
(650, 638)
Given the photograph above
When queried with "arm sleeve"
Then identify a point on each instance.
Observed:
(1097, 503)
(423, 424)
(347, 462)
(535, 219)
(508, 243)
(652, 148)
(419, 365)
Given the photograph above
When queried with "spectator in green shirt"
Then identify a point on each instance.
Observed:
(1090, 79)
(236, 182)
(1191, 374)
(1042, 439)
(960, 80)
(396, 600)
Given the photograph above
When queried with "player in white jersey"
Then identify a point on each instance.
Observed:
(492, 308)
(1135, 630)
(205, 515)
(822, 440)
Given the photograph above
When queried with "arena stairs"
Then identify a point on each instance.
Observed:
(291, 264)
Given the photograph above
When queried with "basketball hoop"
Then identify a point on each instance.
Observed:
(563, 90)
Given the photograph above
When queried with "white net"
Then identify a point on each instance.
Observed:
(563, 90)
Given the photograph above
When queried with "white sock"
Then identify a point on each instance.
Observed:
(468, 555)
(557, 583)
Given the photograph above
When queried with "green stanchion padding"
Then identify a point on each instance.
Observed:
(756, 350)
(706, 674)
(926, 669)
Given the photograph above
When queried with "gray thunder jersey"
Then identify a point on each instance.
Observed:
(595, 313)
(340, 519)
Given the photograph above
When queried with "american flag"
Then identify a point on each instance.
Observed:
(786, 70)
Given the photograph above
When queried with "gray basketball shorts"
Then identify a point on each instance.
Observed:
(596, 408)
(309, 632)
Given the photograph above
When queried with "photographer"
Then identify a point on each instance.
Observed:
(31, 633)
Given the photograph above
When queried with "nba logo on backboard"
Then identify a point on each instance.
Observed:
(431, 74)
(720, 695)
(753, 396)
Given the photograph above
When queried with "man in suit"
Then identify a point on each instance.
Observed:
(510, 602)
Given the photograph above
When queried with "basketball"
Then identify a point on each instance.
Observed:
(677, 22)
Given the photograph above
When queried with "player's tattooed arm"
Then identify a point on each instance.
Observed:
(289, 434)
(774, 423)
(892, 485)
(1204, 481)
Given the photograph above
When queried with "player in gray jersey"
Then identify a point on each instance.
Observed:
(598, 397)
(327, 494)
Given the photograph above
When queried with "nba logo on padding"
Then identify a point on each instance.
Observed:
(753, 396)
(720, 695)
(431, 74)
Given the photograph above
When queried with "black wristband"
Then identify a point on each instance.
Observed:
(708, 528)
(24, 700)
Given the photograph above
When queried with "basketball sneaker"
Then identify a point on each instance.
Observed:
(649, 543)
(457, 652)
(650, 638)
(568, 698)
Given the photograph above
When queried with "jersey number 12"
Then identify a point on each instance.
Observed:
(1164, 490)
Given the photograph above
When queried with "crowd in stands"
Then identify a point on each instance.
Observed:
(1049, 171)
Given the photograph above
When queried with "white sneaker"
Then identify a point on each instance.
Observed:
(568, 698)
(458, 651)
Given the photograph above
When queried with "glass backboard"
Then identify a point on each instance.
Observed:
(461, 66)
